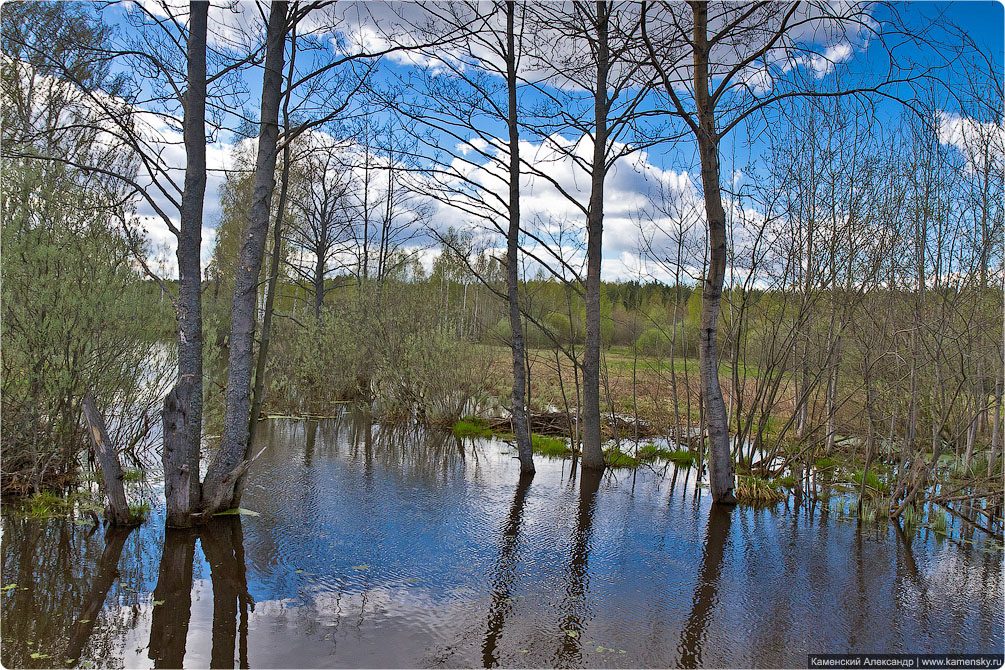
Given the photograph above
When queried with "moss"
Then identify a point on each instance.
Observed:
(471, 426)
(752, 490)
(555, 447)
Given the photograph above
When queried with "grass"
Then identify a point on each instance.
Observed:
(555, 447)
(938, 519)
(871, 480)
(788, 481)
(138, 513)
(751, 490)
(471, 426)
(618, 459)
(133, 475)
(682, 457)
(46, 505)
(825, 463)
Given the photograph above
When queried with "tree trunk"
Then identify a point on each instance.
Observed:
(117, 511)
(720, 466)
(593, 455)
(185, 448)
(270, 296)
(996, 429)
(224, 475)
(178, 473)
(520, 428)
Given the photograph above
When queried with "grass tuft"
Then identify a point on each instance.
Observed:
(618, 459)
(471, 426)
(752, 490)
(554, 447)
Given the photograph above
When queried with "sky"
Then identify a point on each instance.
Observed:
(635, 182)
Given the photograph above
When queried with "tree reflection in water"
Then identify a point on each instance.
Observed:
(692, 638)
(223, 544)
(575, 606)
(502, 597)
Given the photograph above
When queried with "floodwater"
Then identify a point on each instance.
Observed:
(394, 547)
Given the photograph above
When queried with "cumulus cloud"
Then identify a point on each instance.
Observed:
(981, 144)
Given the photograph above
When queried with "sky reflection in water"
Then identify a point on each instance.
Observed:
(389, 546)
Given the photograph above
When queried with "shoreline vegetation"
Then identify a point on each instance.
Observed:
(837, 314)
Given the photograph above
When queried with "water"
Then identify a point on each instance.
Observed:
(390, 546)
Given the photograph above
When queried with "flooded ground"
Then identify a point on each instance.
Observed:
(389, 547)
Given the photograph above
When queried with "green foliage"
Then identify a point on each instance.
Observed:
(751, 490)
(554, 447)
(825, 463)
(938, 519)
(382, 345)
(138, 512)
(618, 459)
(75, 311)
(471, 426)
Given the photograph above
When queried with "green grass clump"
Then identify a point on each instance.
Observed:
(938, 519)
(871, 480)
(682, 457)
(618, 459)
(45, 505)
(825, 463)
(650, 452)
(139, 512)
(471, 426)
(752, 490)
(550, 446)
(869, 514)
(788, 481)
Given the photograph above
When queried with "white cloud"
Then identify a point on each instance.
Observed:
(981, 144)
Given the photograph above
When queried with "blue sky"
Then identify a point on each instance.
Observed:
(634, 179)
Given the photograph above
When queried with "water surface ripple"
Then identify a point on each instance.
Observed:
(390, 546)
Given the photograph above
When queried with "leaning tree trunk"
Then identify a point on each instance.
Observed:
(593, 455)
(117, 511)
(221, 490)
(181, 449)
(720, 465)
(520, 428)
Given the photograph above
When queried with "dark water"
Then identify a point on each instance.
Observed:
(387, 547)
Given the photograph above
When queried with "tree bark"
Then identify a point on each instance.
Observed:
(221, 490)
(257, 396)
(117, 511)
(520, 428)
(177, 417)
(187, 445)
(720, 465)
(593, 455)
